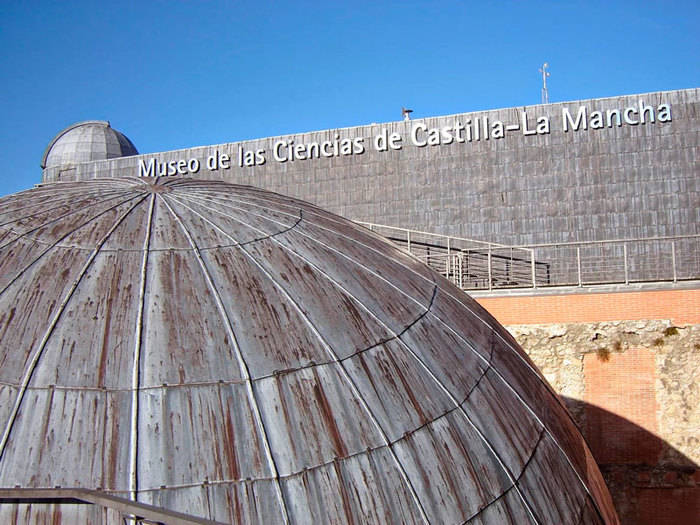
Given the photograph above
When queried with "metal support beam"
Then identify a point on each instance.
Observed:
(126, 506)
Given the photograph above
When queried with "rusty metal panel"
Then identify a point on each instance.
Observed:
(88, 233)
(548, 505)
(368, 242)
(381, 266)
(469, 329)
(197, 433)
(42, 205)
(232, 217)
(452, 468)
(449, 358)
(8, 394)
(28, 305)
(381, 297)
(129, 235)
(107, 294)
(268, 311)
(544, 405)
(367, 489)
(16, 257)
(166, 233)
(258, 203)
(77, 441)
(49, 227)
(183, 331)
(338, 316)
(312, 417)
(247, 501)
(507, 509)
(113, 507)
(601, 501)
(497, 413)
(401, 395)
(188, 500)
(55, 514)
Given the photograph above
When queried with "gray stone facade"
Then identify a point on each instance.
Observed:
(626, 167)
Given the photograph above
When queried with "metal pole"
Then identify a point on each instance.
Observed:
(545, 74)
(578, 264)
(532, 263)
(448, 256)
(461, 273)
(408, 240)
(673, 260)
(624, 251)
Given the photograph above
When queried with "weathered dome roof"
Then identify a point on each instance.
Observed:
(235, 354)
(86, 141)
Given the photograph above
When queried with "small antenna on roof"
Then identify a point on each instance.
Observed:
(545, 74)
(406, 113)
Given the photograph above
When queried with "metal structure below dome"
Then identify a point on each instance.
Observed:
(479, 266)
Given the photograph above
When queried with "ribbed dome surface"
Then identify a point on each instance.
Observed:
(86, 141)
(242, 356)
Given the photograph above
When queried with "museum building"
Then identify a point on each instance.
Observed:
(196, 343)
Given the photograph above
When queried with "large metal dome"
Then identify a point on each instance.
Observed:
(84, 142)
(240, 356)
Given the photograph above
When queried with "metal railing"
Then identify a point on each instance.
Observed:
(129, 511)
(478, 265)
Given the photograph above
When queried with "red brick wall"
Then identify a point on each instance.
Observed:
(621, 428)
(623, 386)
(620, 405)
(678, 306)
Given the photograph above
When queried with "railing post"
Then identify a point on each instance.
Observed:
(578, 264)
(673, 260)
(488, 260)
(408, 241)
(448, 251)
(532, 265)
(461, 273)
(624, 251)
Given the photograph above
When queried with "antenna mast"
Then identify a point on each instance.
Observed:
(545, 74)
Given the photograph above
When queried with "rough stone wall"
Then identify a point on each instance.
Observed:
(634, 389)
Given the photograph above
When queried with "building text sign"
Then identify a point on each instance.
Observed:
(420, 135)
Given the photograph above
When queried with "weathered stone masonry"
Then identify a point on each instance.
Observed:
(633, 387)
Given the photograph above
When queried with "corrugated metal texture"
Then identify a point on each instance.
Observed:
(68, 438)
(51, 514)
(241, 356)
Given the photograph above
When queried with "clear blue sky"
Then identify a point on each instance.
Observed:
(173, 74)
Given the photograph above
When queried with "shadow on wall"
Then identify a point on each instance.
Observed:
(650, 481)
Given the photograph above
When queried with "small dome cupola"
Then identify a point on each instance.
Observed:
(84, 142)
